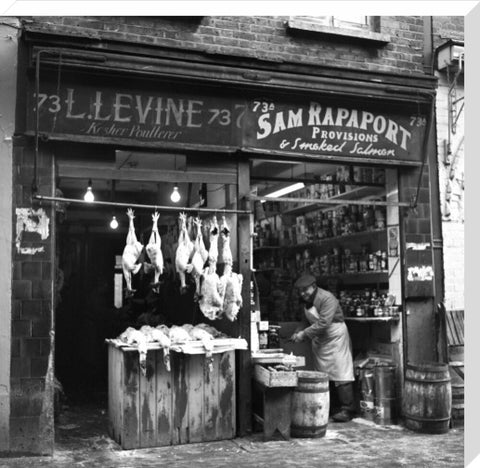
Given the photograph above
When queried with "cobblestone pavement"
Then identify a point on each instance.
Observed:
(82, 441)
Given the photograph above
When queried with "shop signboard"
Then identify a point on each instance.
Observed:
(320, 128)
(147, 116)
(173, 117)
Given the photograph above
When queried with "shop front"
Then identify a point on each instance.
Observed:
(225, 137)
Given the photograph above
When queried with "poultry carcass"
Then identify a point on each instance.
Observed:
(131, 253)
(198, 334)
(183, 253)
(154, 252)
(232, 299)
(164, 329)
(231, 282)
(213, 238)
(203, 250)
(178, 335)
(198, 259)
(211, 290)
(132, 337)
(212, 330)
(211, 300)
(227, 257)
(207, 340)
(155, 335)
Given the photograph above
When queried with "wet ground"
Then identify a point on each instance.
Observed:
(82, 441)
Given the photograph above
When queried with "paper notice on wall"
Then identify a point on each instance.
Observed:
(30, 220)
(420, 273)
(418, 245)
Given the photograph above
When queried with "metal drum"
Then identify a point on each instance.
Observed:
(385, 399)
(366, 382)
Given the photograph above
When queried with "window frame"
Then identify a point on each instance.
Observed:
(335, 26)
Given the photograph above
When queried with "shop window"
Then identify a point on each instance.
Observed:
(366, 28)
(350, 243)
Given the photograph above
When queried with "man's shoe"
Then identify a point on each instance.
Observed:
(342, 416)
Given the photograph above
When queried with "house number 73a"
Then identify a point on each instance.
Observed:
(417, 121)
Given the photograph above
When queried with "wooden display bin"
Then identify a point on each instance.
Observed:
(194, 402)
(274, 379)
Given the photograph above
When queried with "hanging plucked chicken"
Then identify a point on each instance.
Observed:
(211, 300)
(154, 252)
(183, 253)
(131, 253)
(231, 282)
(199, 258)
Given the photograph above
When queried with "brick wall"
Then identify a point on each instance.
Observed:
(265, 38)
(31, 409)
(451, 170)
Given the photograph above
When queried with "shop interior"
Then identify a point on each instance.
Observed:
(346, 245)
(92, 304)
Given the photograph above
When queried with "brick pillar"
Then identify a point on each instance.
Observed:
(420, 328)
(31, 416)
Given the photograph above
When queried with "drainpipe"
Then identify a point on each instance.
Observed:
(428, 45)
(434, 189)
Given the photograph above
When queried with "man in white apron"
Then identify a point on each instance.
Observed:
(324, 325)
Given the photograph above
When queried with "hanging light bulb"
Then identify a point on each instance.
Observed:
(175, 196)
(89, 197)
(114, 223)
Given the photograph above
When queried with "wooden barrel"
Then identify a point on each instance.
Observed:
(458, 392)
(385, 395)
(427, 398)
(458, 403)
(310, 405)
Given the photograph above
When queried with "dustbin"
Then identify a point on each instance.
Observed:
(385, 398)
(366, 380)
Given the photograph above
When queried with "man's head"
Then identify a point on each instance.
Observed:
(306, 286)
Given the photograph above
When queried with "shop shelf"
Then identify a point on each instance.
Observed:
(357, 193)
(365, 277)
(326, 240)
(393, 318)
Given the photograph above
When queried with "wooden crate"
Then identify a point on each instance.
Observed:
(191, 403)
(270, 378)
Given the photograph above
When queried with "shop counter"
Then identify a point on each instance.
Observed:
(193, 402)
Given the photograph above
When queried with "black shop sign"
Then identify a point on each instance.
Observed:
(162, 117)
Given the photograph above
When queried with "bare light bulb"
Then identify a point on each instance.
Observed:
(89, 197)
(114, 223)
(175, 196)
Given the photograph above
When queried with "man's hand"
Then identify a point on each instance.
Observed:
(298, 337)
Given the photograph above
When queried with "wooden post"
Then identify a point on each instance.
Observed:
(244, 366)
